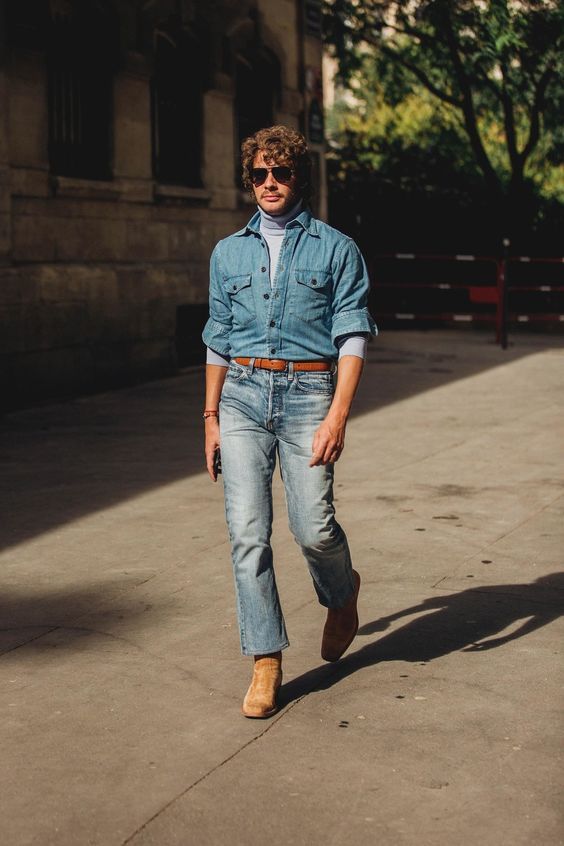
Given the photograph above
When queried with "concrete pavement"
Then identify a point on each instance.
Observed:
(121, 678)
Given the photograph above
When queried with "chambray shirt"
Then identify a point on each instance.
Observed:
(319, 293)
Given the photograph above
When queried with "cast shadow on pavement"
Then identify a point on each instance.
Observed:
(95, 610)
(467, 621)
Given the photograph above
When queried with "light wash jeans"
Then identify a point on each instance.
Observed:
(263, 413)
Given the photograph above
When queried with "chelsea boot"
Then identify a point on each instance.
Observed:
(260, 700)
(341, 626)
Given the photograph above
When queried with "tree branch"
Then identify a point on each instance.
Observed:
(509, 124)
(536, 109)
(421, 76)
(413, 33)
(490, 84)
(468, 110)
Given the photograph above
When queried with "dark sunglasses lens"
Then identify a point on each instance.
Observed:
(258, 175)
(282, 174)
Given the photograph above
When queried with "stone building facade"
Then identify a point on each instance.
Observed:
(120, 123)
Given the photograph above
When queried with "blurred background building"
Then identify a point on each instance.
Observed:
(120, 127)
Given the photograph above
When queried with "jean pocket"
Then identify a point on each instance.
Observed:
(235, 372)
(315, 383)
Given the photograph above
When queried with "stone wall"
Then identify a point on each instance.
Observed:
(94, 274)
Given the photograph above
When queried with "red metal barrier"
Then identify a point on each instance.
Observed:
(494, 291)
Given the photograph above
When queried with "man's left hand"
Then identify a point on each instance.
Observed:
(328, 442)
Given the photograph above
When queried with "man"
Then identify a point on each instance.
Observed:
(288, 298)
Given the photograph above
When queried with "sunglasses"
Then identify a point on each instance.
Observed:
(281, 173)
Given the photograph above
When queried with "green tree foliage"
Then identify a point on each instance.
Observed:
(414, 143)
(476, 80)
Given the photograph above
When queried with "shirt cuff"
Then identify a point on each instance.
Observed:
(353, 322)
(216, 336)
(215, 358)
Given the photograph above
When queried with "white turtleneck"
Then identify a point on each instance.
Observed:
(272, 229)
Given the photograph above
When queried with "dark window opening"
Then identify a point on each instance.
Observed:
(177, 105)
(81, 60)
(27, 23)
(257, 92)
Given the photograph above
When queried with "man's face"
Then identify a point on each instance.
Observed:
(272, 196)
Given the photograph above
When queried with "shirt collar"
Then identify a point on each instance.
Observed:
(305, 219)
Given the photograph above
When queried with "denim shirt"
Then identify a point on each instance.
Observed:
(320, 292)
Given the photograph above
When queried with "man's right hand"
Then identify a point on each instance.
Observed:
(212, 443)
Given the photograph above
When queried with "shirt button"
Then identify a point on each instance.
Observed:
(263, 269)
(266, 296)
(273, 350)
(314, 281)
(272, 323)
(234, 287)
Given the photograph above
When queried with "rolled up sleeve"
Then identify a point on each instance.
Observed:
(218, 327)
(350, 293)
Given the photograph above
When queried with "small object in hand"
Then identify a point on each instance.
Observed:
(217, 462)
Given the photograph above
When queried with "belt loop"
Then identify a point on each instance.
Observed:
(290, 371)
(252, 365)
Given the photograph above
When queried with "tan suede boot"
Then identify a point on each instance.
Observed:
(260, 701)
(341, 626)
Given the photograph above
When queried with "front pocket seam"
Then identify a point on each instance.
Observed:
(320, 388)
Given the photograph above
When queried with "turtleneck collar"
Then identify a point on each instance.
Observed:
(278, 222)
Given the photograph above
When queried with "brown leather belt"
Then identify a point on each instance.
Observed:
(280, 364)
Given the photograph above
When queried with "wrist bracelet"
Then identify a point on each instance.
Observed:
(210, 412)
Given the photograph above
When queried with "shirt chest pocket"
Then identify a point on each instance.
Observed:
(240, 291)
(312, 294)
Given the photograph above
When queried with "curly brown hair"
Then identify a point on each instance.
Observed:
(281, 145)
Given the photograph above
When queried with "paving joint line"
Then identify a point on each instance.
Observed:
(71, 623)
(25, 643)
(215, 769)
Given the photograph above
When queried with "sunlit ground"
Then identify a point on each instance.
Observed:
(121, 675)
